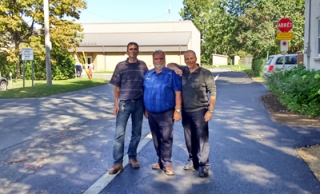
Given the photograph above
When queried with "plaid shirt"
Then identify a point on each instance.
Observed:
(129, 78)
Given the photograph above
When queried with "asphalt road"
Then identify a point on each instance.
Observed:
(63, 144)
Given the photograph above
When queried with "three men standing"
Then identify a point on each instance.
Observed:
(158, 91)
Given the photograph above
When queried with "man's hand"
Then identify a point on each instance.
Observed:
(178, 71)
(116, 110)
(173, 67)
(145, 113)
(176, 116)
(207, 116)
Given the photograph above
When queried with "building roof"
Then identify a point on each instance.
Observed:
(165, 26)
(142, 38)
(218, 55)
(114, 37)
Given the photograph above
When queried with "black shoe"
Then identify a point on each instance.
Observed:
(189, 166)
(203, 172)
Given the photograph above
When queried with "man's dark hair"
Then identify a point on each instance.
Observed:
(132, 43)
(190, 51)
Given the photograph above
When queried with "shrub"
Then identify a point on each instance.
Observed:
(62, 68)
(257, 66)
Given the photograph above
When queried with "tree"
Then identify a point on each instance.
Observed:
(257, 25)
(243, 26)
(215, 24)
(199, 12)
(22, 25)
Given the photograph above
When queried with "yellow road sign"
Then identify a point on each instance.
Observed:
(284, 35)
(239, 61)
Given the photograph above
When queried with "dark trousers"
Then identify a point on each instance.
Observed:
(161, 127)
(196, 132)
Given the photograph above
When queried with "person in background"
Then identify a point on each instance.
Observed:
(128, 101)
(162, 99)
(197, 110)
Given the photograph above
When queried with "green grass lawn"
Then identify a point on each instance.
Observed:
(41, 89)
(103, 72)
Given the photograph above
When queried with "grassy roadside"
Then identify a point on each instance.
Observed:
(41, 89)
(243, 68)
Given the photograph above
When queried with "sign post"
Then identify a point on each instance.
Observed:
(239, 63)
(27, 55)
(10, 75)
(284, 25)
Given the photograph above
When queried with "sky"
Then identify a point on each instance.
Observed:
(130, 11)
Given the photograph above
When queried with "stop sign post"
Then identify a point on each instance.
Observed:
(284, 25)
(283, 45)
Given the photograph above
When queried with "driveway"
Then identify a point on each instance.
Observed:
(63, 144)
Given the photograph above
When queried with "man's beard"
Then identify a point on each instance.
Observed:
(159, 66)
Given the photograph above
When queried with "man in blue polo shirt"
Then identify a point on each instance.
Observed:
(162, 100)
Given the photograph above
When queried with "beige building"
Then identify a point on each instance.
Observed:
(104, 44)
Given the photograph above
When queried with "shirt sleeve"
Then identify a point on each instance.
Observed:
(210, 84)
(116, 77)
(177, 85)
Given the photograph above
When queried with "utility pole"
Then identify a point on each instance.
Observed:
(47, 41)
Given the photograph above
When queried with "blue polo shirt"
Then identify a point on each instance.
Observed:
(159, 90)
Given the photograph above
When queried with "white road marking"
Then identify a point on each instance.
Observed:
(103, 181)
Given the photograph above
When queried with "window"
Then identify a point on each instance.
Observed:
(288, 60)
(269, 61)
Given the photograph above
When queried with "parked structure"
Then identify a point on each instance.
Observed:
(104, 44)
(312, 35)
(219, 60)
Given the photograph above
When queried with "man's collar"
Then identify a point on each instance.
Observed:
(133, 62)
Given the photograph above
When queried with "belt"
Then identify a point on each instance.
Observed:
(131, 100)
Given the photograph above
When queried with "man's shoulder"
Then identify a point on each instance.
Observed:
(150, 71)
(204, 70)
(122, 63)
(167, 70)
(142, 62)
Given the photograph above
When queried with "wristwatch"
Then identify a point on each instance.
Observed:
(178, 110)
(210, 110)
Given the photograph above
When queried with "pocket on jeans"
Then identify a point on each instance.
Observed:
(122, 105)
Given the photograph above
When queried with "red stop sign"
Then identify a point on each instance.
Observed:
(285, 24)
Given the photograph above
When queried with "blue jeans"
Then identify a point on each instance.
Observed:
(127, 108)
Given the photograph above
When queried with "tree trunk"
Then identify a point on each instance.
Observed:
(18, 67)
(18, 72)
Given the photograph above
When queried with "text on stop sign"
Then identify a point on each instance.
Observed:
(285, 25)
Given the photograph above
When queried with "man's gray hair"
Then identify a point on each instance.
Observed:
(158, 51)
